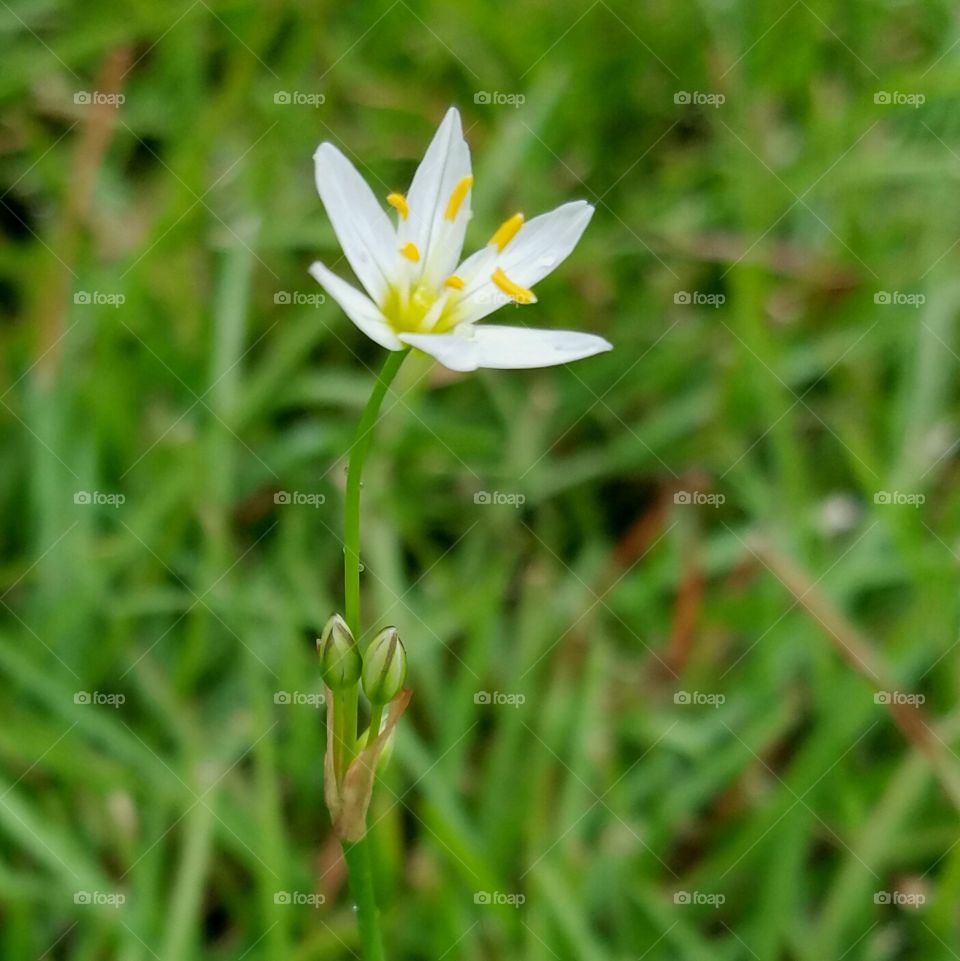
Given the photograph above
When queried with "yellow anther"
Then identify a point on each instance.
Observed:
(457, 283)
(409, 250)
(506, 231)
(399, 203)
(514, 291)
(457, 197)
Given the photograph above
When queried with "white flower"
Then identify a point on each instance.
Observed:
(416, 294)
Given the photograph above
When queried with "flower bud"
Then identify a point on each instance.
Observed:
(339, 657)
(384, 667)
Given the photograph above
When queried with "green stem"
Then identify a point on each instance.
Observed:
(359, 449)
(344, 712)
(357, 854)
(376, 717)
(360, 869)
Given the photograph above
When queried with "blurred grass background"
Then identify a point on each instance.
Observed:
(721, 565)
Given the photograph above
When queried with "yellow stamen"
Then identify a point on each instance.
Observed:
(409, 250)
(457, 283)
(399, 203)
(514, 291)
(457, 197)
(506, 231)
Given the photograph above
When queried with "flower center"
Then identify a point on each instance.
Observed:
(416, 307)
(407, 311)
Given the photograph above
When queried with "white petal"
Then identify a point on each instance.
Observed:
(365, 233)
(506, 348)
(543, 243)
(357, 306)
(444, 165)
(540, 246)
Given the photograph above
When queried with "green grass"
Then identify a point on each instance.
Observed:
(599, 798)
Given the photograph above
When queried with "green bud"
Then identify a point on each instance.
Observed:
(384, 667)
(339, 657)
